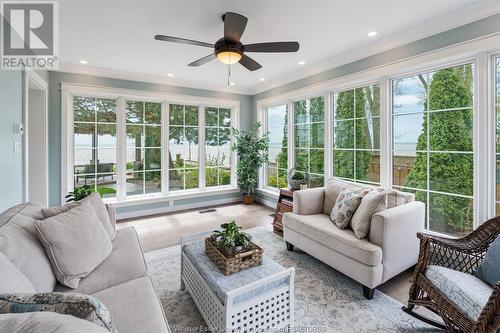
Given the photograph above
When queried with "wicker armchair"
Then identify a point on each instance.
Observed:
(464, 255)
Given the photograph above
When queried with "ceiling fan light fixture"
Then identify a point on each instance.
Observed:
(229, 57)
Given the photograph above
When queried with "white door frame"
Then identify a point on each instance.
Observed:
(32, 80)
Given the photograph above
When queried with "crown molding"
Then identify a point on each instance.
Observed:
(158, 79)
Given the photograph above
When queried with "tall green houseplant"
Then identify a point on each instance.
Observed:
(252, 150)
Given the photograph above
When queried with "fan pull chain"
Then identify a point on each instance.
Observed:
(229, 74)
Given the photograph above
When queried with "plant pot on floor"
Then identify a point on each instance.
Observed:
(248, 199)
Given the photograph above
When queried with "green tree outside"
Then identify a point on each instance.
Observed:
(450, 131)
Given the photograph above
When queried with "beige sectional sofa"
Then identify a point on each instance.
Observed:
(390, 247)
(120, 282)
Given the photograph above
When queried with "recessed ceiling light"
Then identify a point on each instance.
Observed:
(232, 84)
(262, 79)
(302, 62)
(83, 62)
(170, 75)
(372, 34)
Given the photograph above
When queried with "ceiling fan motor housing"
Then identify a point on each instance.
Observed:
(223, 45)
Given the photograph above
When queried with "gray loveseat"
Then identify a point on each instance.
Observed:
(121, 282)
(390, 247)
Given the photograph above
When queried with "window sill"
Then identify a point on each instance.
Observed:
(166, 197)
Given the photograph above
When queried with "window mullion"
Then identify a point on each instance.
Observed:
(121, 148)
(164, 147)
(201, 147)
(385, 133)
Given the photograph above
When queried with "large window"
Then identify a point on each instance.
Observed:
(277, 129)
(309, 143)
(432, 144)
(356, 129)
(183, 136)
(217, 147)
(125, 146)
(94, 140)
(143, 145)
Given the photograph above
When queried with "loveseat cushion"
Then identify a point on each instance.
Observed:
(12, 280)
(134, 307)
(42, 322)
(19, 243)
(320, 229)
(335, 186)
(125, 263)
(466, 291)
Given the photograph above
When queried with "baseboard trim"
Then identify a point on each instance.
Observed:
(175, 208)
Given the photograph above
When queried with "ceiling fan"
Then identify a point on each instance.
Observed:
(229, 49)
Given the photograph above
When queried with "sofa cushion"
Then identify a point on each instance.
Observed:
(75, 242)
(319, 228)
(371, 204)
(134, 307)
(42, 322)
(12, 280)
(19, 243)
(345, 207)
(335, 186)
(126, 262)
(489, 270)
(78, 305)
(466, 291)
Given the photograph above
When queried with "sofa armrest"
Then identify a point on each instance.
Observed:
(112, 216)
(309, 201)
(395, 231)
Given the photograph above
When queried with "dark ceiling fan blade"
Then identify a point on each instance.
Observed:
(182, 40)
(234, 25)
(202, 61)
(249, 63)
(273, 47)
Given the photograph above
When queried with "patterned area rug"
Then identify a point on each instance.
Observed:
(325, 300)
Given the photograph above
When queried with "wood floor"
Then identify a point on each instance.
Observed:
(156, 232)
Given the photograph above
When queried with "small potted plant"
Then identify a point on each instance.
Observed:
(232, 250)
(296, 179)
(79, 193)
(252, 150)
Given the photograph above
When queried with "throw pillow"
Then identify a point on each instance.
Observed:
(81, 306)
(75, 243)
(345, 206)
(489, 270)
(396, 198)
(53, 211)
(371, 204)
(95, 201)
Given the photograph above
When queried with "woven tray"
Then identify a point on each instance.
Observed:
(236, 263)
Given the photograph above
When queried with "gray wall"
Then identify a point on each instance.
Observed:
(11, 112)
(56, 78)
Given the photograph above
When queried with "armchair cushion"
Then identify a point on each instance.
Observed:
(466, 291)
(489, 270)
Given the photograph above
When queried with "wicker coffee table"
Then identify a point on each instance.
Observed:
(259, 299)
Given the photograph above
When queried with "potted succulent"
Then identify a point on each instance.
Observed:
(296, 179)
(232, 250)
(252, 150)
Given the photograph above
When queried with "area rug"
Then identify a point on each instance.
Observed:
(325, 300)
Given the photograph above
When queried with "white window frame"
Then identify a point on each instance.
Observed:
(481, 52)
(69, 91)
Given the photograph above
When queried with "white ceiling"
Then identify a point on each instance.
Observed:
(116, 36)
